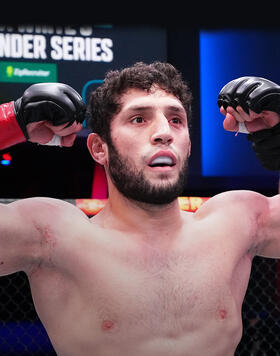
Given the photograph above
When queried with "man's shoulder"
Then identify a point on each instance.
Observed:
(44, 208)
(237, 200)
(238, 197)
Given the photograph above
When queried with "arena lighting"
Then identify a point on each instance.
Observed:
(6, 159)
(93, 206)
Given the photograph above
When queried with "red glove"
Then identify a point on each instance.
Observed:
(10, 132)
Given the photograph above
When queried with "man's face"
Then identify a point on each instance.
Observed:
(150, 147)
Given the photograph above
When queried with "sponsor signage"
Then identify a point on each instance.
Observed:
(24, 72)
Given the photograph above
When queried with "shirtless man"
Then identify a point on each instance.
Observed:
(142, 277)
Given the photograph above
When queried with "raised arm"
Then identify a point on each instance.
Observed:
(30, 229)
(268, 233)
(252, 105)
(22, 234)
(27, 230)
(47, 113)
(254, 102)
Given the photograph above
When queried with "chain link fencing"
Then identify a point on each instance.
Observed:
(21, 332)
(261, 310)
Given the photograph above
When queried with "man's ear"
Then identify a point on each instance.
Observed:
(97, 148)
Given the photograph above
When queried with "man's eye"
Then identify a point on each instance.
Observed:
(137, 120)
(175, 120)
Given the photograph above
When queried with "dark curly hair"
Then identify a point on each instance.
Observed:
(105, 100)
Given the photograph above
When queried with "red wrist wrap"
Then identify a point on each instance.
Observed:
(10, 132)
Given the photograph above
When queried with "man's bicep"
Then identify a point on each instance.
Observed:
(20, 237)
(268, 229)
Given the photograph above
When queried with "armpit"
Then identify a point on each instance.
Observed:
(257, 248)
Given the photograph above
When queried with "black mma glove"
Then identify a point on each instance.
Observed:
(253, 93)
(257, 94)
(54, 102)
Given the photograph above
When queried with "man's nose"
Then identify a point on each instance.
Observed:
(161, 132)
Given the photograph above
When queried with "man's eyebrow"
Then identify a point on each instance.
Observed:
(176, 108)
(137, 108)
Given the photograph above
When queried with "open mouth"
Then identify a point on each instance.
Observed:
(162, 161)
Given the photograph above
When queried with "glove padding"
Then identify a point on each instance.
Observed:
(266, 144)
(257, 94)
(53, 102)
(253, 93)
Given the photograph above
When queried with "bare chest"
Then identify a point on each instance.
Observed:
(173, 293)
(120, 293)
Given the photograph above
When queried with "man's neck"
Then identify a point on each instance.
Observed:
(149, 220)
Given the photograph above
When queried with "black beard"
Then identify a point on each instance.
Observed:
(133, 184)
